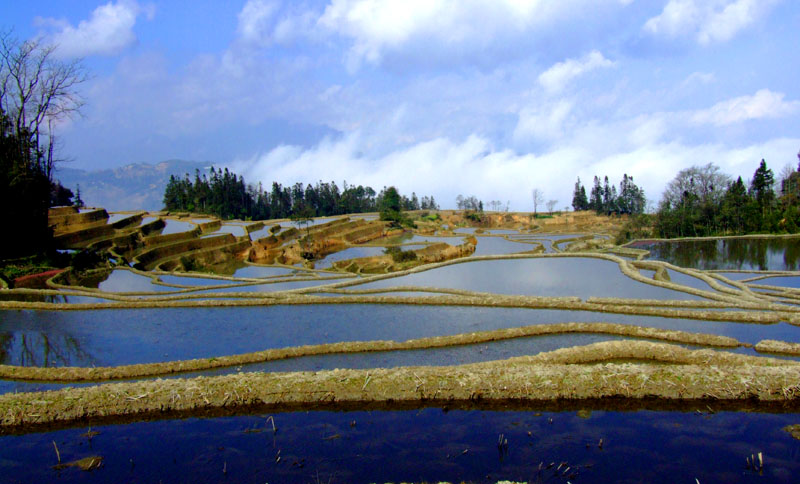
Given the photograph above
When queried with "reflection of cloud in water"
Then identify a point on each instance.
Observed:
(574, 276)
(500, 246)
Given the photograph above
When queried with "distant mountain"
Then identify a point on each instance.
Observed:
(139, 186)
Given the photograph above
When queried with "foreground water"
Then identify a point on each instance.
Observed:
(425, 445)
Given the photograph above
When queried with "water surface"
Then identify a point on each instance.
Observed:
(175, 226)
(128, 336)
(761, 254)
(564, 276)
(426, 445)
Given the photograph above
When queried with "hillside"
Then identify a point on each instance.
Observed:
(138, 186)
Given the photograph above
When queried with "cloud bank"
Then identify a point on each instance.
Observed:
(107, 31)
(445, 97)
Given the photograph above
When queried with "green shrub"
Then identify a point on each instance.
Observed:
(637, 227)
(86, 259)
(188, 264)
(474, 217)
(400, 255)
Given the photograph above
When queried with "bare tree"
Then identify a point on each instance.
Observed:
(784, 175)
(538, 197)
(36, 92)
(551, 204)
(706, 182)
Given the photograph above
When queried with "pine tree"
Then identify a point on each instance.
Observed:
(763, 179)
(579, 200)
(78, 200)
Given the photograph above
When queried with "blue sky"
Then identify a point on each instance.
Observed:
(441, 97)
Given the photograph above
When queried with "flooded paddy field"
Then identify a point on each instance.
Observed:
(176, 226)
(582, 277)
(129, 336)
(521, 444)
(358, 252)
(453, 365)
(734, 253)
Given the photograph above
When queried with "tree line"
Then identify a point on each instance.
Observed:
(605, 198)
(36, 91)
(703, 201)
(226, 195)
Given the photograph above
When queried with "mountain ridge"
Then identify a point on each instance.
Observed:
(136, 186)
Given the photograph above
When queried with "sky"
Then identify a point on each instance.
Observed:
(440, 97)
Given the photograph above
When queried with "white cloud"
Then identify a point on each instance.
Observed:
(708, 21)
(255, 21)
(108, 30)
(445, 168)
(556, 77)
(542, 121)
(698, 78)
(377, 27)
(764, 104)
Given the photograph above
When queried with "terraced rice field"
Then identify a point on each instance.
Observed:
(652, 367)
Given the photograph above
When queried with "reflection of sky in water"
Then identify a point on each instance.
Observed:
(194, 281)
(539, 235)
(176, 226)
(738, 276)
(271, 287)
(783, 281)
(261, 233)
(582, 277)
(311, 223)
(452, 355)
(260, 271)
(472, 230)
(127, 336)
(356, 252)
(121, 280)
(690, 281)
(428, 443)
(499, 246)
(116, 217)
(409, 238)
(237, 230)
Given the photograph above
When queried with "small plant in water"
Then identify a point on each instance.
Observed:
(552, 473)
(755, 462)
(502, 446)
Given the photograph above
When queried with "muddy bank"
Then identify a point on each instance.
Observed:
(70, 374)
(680, 374)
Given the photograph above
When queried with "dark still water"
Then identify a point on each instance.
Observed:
(429, 445)
(773, 254)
